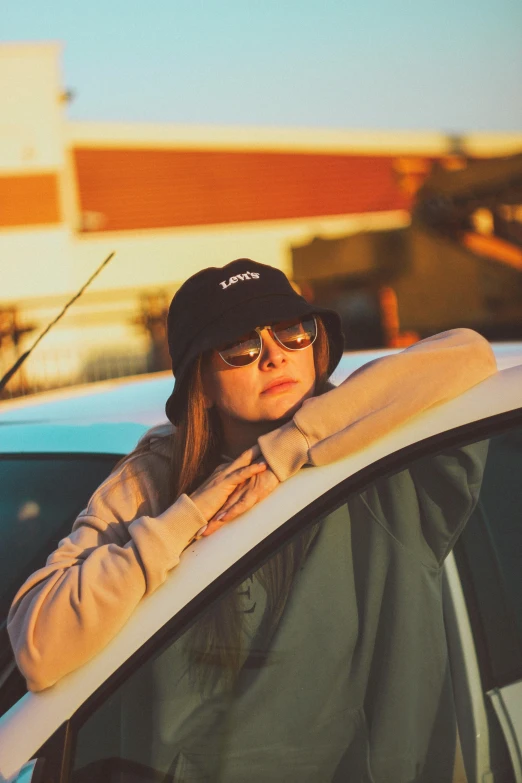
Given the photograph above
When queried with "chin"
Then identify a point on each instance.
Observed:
(284, 410)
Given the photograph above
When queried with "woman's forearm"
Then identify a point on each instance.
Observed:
(377, 398)
(69, 610)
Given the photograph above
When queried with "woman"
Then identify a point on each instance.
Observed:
(251, 406)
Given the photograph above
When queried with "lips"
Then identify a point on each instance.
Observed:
(279, 385)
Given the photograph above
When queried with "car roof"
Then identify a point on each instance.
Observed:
(50, 438)
(206, 560)
(140, 399)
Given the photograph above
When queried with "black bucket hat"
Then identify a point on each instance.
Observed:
(218, 304)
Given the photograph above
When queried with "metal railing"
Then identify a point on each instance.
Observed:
(110, 334)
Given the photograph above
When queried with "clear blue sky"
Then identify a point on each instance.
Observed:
(451, 65)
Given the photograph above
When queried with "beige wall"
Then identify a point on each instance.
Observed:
(166, 257)
(34, 261)
(31, 126)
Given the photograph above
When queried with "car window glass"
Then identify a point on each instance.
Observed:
(328, 661)
(490, 559)
(39, 501)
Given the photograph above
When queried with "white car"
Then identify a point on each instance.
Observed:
(98, 723)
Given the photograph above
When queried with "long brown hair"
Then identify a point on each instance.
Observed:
(215, 640)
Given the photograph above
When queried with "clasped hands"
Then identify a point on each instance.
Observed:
(233, 488)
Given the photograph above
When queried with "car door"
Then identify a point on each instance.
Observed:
(489, 560)
(314, 657)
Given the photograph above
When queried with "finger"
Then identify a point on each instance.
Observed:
(246, 457)
(242, 490)
(247, 499)
(222, 516)
(253, 487)
(216, 523)
(243, 474)
(235, 492)
(247, 495)
(212, 527)
(231, 465)
(244, 497)
(244, 503)
(233, 498)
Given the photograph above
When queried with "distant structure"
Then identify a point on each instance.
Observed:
(171, 200)
(459, 262)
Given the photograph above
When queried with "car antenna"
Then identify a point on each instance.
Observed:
(16, 366)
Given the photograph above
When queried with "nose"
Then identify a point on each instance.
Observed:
(272, 354)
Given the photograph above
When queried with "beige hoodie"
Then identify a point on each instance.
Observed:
(123, 545)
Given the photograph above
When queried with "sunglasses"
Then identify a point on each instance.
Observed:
(294, 335)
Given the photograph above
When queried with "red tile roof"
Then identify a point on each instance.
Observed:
(161, 188)
(29, 200)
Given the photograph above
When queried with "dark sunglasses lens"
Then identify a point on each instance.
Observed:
(297, 334)
(243, 351)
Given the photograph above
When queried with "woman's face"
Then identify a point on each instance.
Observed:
(268, 390)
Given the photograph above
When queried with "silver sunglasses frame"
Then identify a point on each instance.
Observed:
(259, 329)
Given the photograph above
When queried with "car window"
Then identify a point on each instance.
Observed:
(40, 498)
(489, 556)
(328, 660)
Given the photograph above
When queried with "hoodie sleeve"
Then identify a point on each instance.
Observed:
(377, 398)
(116, 553)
